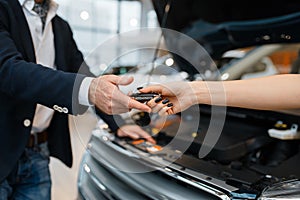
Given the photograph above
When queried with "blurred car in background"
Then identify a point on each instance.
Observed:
(257, 154)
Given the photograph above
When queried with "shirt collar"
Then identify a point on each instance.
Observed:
(21, 2)
(28, 4)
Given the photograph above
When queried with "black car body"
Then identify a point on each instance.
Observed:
(245, 163)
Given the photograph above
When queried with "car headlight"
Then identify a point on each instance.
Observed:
(284, 190)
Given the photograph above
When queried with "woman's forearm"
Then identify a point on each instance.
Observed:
(270, 93)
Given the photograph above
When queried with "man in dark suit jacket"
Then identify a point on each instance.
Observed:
(24, 84)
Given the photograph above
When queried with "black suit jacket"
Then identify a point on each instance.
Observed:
(23, 84)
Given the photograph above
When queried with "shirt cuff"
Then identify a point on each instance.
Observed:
(83, 96)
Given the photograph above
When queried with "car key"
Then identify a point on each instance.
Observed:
(143, 97)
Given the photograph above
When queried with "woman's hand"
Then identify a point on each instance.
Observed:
(174, 97)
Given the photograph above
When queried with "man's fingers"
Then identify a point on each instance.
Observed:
(145, 135)
(135, 132)
(137, 105)
(126, 133)
(133, 135)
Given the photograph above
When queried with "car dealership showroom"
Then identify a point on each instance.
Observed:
(149, 99)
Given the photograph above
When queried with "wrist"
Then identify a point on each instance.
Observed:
(210, 92)
(200, 93)
(92, 91)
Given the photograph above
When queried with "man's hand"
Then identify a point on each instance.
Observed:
(134, 132)
(105, 94)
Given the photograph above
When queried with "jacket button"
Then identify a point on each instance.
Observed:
(27, 122)
(59, 109)
(65, 110)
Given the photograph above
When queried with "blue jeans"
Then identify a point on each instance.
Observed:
(31, 178)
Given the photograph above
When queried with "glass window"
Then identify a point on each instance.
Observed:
(95, 21)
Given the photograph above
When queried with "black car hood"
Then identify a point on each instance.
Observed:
(225, 25)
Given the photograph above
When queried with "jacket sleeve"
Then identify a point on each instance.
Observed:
(31, 82)
(79, 65)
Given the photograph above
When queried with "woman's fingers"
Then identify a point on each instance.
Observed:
(164, 111)
(160, 105)
(152, 89)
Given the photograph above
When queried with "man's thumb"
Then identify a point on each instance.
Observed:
(125, 80)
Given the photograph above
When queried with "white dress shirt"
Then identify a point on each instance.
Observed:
(43, 42)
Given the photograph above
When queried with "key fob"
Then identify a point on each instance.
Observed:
(143, 97)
